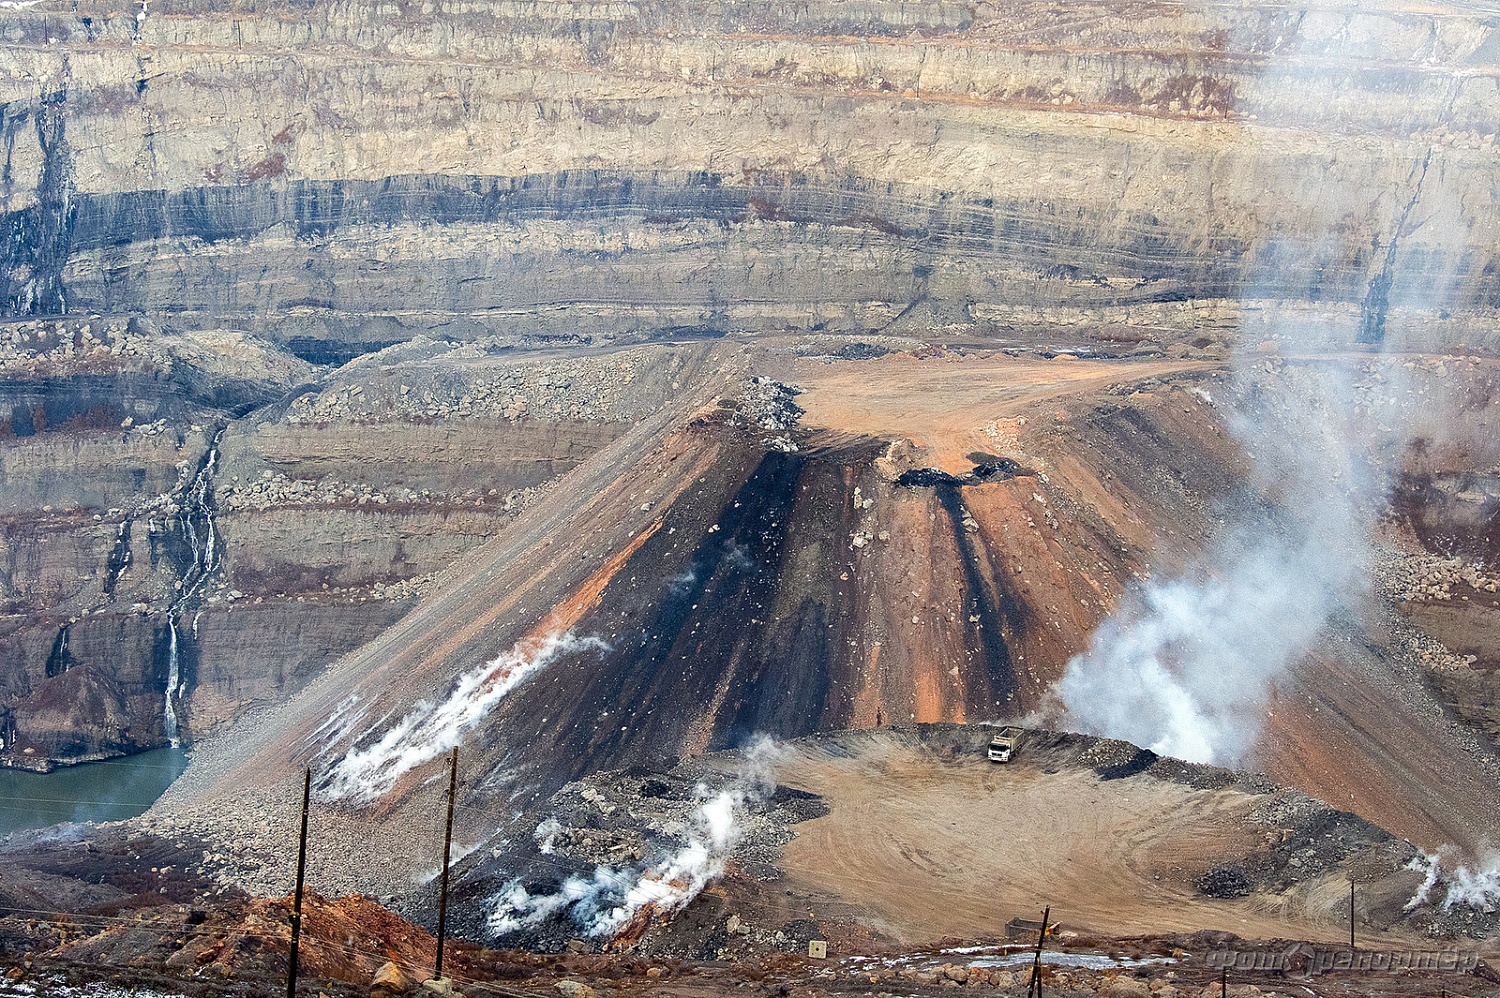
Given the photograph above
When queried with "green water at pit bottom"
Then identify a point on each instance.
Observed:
(95, 791)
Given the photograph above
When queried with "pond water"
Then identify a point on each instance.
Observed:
(95, 791)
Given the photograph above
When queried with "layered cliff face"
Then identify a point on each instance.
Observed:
(209, 208)
(342, 177)
(196, 523)
(432, 373)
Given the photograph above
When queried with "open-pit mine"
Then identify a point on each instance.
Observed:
(716, 422)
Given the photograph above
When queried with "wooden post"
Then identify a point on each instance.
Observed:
(447, 852)
(291, 970)
(1034, 988)
(1351, 914)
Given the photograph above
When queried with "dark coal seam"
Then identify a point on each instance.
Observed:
(716, 585)
(997, 471)
(60, 659)
(998, 663)
(317, 208)
(39, 237)
(1377, 301)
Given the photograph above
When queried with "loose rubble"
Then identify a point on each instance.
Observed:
(435, 380)
(1405, 577)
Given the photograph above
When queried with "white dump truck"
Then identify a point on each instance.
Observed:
(1003, 745)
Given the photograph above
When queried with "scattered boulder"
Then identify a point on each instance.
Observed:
(1127, 987)
(389, 981)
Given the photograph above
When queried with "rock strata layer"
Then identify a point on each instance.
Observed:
(340, 177)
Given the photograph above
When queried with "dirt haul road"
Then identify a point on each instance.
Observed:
(925, 846)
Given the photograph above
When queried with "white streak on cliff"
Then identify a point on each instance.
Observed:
(367, 772)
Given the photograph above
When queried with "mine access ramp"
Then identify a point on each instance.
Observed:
(1003, 745)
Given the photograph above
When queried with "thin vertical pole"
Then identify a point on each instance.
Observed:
(1351, 914)
(291, 970)
(1034, 988)
(1224, 982)
(447, 852)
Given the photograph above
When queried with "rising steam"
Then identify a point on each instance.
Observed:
(1462, 886)
(367, 772)
(1187, 667)
(610, 898)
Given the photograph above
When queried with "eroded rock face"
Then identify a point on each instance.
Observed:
(538, 240)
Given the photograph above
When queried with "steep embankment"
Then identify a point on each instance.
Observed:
(693, 584)
(687, 586)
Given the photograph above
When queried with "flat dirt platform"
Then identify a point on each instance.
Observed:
(945, 403)
(926, 846)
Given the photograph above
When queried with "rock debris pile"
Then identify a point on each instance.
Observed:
(429, 380)
(1404, 577)
(275, 489)
(1428, 652)
(768, 403)
(619, 821)
(34, 349)
(46, 348)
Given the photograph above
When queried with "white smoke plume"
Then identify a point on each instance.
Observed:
(1186, 668)
(365, 773)
(336, 726)
(1188, 664)
(546, 836)
(1463, 886)
(611, 898)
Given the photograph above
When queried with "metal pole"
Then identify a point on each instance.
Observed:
(291, 970)
(447, 852)
(1034, 988)
(1224, 982)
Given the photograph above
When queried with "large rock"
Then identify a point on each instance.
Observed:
(390, 980)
